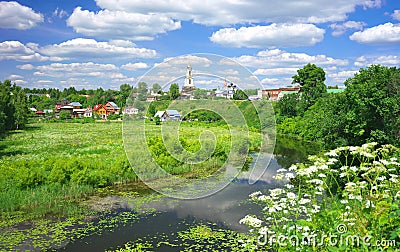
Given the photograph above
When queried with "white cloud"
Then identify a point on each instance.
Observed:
(14, 76)
(26, 67)
(89, 69)
(276, 71)
(274, 35)
(339, 29)
(396, 15)
(16, 16)
(59, 13)
(15, 50)
(386, 60)
(90, 48)
(278, 58)
(340, 77)
(134, 66)
(120, 24)
(378, 35)
(226, 12)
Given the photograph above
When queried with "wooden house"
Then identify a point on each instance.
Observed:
(100, 110)
(111, 107)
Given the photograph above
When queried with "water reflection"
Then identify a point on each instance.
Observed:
(226, 207)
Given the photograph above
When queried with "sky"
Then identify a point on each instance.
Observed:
(105, 43)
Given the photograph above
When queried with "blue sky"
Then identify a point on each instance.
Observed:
(106, 43)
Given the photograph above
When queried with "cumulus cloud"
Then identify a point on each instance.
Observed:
(274, 35)
(14, 76)
(134, 66)
(386, 60)
(339, 29)
(90, 48)
(16, 16)
(341, 76)
(26, 67)
(88, 69)
(15, 50)
(121, 24)
(276, 71)
(396, 15)
(277, 58)
(223, 12)
(276, 67)
(383, 34)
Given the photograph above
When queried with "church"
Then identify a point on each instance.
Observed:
(188, 86)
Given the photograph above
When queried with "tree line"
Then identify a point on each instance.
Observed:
(367, 111)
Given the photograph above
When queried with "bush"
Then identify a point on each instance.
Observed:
(348, 192)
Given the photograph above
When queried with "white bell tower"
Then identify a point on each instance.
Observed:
(189, 84)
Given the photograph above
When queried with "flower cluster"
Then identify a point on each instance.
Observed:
(354, 185)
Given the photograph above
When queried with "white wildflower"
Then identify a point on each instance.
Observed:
(281, 170)
(276, 192)
(316, 181)
(321, 175)
(292, 168)
(315, 209)
(332, 153)
(289, 186)
(354, 169)
(344, 201)
(304, 201)
(255, 194)
(251, 221)
(291, 195)
(289, 176)
(264, 198)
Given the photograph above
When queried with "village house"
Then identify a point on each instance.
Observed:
(168, 115)
(274, 94)
(130, 111)
(112, 108)
(100, 110)
(88, 113)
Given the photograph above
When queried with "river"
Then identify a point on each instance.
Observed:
(223, 209)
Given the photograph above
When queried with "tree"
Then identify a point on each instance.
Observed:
(373, 105)
(142, 91)
(311, 79)
(156, 89)
(64, 115)
(287, 105)
(157, 120)
(174, 91)
(240, 95)
(21, 107)
(124, 92)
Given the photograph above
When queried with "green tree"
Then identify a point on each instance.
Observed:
(239, 95)
(373, 105)
(64, 115)
(142, 91)
(124, 92)
(157, 120)
(174, 91)
(21, 108)
(287, 105)
(156, 88)
(312, 81)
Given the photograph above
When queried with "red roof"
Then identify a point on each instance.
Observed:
(98, 106)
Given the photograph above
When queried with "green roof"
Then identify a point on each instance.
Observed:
(335, 90)
(289, 92)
